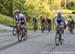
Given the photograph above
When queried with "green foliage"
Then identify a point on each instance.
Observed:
(37, 8)
(71, 5)
(6, 7)
(6, 20)
(29, 7)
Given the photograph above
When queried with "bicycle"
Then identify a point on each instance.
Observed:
(22, 33)
(42, 28)
(35, 27)
(14, 31)
(49, 27)
(58, 36)
(71, 29)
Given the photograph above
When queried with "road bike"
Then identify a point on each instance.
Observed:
(22, 33)
(58, 36)
(70, 29)
(35, 27)
(49, 27)
(42, 28)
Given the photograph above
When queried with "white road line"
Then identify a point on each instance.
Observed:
(60, 52)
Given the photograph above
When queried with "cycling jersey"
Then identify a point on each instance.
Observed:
(59, 22)
(20, 18)
(71, 21)
(34, 20)
(49, 21)
(43, 21)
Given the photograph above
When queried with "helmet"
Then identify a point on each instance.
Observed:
(34, 17)
(16, 11)
(59, 14)
(58, 11)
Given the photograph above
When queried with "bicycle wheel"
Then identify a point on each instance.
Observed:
(35, 28)
(42, 29)
(49, 28)
(71, 30)
(19, 35)
(60, 39)
(57, 39)
(25, 34)
(14, 32)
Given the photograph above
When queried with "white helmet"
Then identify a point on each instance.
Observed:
(58, 11)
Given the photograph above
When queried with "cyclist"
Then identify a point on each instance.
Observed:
(42, 22)
(48, 22)
(34, 20)
(59, 21)
(71, 22)
(20, 19)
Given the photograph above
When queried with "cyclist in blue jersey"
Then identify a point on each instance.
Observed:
(59, 22)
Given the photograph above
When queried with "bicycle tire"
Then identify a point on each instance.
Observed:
(14, 32)
(57, 40)
(19, 35)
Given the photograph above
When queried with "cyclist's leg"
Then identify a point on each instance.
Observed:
(24, 27)
(25, 31)
(57, 28)
(18, 26)
(35, 26)
(62, 29)
(42, 27)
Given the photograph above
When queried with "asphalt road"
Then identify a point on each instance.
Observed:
(37, 43)
(3, 27)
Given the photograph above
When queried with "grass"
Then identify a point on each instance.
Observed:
(6, 20)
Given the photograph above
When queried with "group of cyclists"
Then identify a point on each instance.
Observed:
(58, 20)
(46, 23)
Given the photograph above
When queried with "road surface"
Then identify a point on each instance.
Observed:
(3, 27)
(37, 43)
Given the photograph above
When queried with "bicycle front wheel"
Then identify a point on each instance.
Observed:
(19, 35)
(57, 39)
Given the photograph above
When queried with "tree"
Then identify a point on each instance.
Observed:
(71, 5)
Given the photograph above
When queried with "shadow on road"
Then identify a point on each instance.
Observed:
(14, 43)
(9, 45)
(7, 40)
